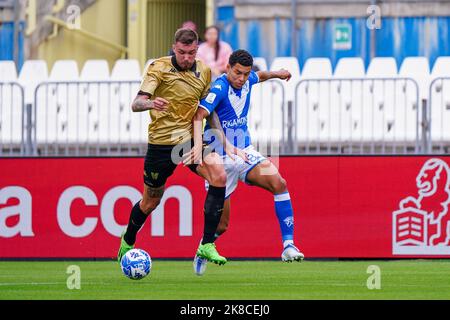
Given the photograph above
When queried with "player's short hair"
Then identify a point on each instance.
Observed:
(242, 57)
(186, 36)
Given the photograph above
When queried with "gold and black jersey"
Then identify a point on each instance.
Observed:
(183, 89)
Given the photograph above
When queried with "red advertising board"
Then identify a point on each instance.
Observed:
(345, 207)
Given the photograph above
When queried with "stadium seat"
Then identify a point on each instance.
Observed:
(346, 114)
(407, 103)
(32, 74)
(11, 101)
(57, 104)
(313, 103)
(93, 101)
(379, 100)
(439, 100)
(64, 70)
(257, 101)
(261, 63)
(277, 95)
(95, 70)
(8, 72)
(382, 67)
(126, 70)
(125, 126)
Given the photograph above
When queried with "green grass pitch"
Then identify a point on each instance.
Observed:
(250, 280)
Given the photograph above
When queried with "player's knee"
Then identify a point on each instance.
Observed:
(278, 186)
(148, 206)
(218, 177)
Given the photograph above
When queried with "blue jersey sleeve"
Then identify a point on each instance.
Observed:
(253, 78)
(217, 93)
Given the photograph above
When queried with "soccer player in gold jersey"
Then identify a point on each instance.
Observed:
(171, 90)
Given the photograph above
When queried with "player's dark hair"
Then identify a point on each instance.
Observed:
(242, 57)
(186, 36)
(217, 44)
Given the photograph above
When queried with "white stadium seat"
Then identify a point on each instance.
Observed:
(93, 101)
(32, 74)
(95, 70)
(64, 70)
(271, 123)
(439, 101)
(313, 103)
(379, 100)
(382, 67)
(407, 104)
(57, 105)
(348, 103)
(125, 126)
(261, 63)
(126, 70)
(8, 72)
(10, 105)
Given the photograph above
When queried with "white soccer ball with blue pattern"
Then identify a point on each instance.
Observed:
(136, 264)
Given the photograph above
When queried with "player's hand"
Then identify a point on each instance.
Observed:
(233, 152)
(195, 156)
(160, 104)
(284, 75)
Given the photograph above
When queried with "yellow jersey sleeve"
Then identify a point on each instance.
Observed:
(208, 81)
(152, 78)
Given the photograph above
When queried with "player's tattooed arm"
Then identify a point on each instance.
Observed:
(280, 74)
(143, 103)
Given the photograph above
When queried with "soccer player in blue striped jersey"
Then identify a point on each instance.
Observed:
(226, 107)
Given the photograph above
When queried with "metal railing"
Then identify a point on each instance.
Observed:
(86, 118)
(324, 116)
(357, 116)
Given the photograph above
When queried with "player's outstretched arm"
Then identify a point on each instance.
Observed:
(280, 74)
(143, 103)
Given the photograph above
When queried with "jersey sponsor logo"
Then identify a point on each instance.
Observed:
(218, 87)
(234, 123)
(421, 225)
(211, 97)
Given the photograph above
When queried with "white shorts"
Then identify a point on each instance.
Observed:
(238, 169)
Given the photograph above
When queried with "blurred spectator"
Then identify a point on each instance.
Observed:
(214, 52)
(188, 25)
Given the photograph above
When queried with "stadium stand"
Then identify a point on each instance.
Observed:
(320, 110)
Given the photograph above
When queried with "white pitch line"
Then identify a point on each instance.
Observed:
(30, 284)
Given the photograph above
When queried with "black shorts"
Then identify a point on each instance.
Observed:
(161, 161)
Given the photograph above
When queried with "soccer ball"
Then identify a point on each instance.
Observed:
(136, 264)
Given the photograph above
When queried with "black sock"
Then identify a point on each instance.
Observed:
(213, 212)
(137, 220)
